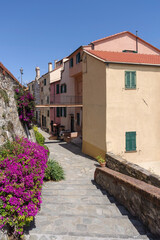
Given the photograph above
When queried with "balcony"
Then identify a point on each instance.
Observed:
(63, 101)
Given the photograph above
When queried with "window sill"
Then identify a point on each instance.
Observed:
(130, 88)
(131, 151)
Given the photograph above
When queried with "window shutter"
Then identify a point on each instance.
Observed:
(61, 88)
(61, 111)
(127, 141)
(133, 140)
(57, 88)
(127, 79)
(133, 79)
(58, 115)
(65, 88)
(65, 112)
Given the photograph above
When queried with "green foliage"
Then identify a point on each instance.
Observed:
(53, 171)
(40, 139)
(100, 159)
(4, 95)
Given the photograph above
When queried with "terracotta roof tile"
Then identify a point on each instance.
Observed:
(124, 57)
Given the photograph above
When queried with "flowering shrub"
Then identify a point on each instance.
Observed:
(25, 106)
(22, 168)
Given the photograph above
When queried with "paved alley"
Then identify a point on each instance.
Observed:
(76, 209)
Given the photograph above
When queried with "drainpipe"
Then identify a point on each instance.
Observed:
(137, 41)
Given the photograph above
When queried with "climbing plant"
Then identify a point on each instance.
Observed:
(25, 106)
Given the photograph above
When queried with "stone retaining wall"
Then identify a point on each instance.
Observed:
(119, 164)
(10, 125)
(141, 199)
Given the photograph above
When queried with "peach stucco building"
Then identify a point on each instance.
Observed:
(121, 111)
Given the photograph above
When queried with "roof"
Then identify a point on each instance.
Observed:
(124, 57)
(122, 33)
(9, 73)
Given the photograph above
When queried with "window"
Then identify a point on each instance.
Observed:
(57, 88)
(41, 89)
(32, 87)
(78, 119)
(71, 63)
(58, 111)
(63, 88)
(48, 113)
(63, 111)
(44, 82)
(130, 79)
(41, 101)
(78, 58)
(47, 99)
(130, 141)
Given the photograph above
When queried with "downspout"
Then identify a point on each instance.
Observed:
(137, 41)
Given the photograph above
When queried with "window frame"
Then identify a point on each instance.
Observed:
(78, 57)
(131, 141)
(130, 86)
(71, 62)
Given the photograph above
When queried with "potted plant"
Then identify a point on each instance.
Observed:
(101, 161)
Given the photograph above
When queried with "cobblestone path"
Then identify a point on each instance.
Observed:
(76, 209)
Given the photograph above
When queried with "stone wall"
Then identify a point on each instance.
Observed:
(10, 125)
(121, 165)
(141, 199)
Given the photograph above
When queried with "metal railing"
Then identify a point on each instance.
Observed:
(66, 100)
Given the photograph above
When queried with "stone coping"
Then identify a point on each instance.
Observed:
(119, 164)
(140, 198)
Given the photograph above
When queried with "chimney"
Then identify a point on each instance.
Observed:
(49, 67)
(55, 61)
(37, 72)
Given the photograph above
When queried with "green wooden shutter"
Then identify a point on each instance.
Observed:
(130, 141)
(61, 88)
(58, 113)
(65, 112)
(127, 79)
(61, 111)
(57, 88)
(133, 79)
(65, 88)
(133, 141)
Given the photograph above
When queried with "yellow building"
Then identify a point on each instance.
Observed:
(121, 105)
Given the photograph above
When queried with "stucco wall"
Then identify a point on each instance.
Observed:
(134, 110)
(124, 42)
(94, 106)
(68, 96)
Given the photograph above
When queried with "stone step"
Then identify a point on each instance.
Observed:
(70, 237)
(65, 186)
(96, 200)
(75, 192)
(102, 211)
(116, 227)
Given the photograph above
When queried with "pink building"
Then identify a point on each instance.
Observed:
(55, 119)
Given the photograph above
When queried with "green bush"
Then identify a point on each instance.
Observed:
(39, 138)
(53, 171)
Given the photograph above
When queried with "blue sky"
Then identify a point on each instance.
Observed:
(35, 32)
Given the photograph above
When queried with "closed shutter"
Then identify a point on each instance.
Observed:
(57, 88)
(130, 141)
(58, 112)
(127, 79)
(133, 79)
(65, 112)
(61, 111)
(65, 88)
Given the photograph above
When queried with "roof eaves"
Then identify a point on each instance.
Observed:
(131, 63)
(101, 59)
(75, 51)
